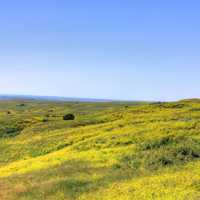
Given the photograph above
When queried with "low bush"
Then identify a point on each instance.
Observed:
(68, 117)
(162, 153)
(21, 105)
(10, 131)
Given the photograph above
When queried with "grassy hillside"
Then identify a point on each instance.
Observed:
(111, 151)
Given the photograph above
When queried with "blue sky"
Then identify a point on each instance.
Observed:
(116, 49)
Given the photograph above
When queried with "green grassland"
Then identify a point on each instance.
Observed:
(111, 151)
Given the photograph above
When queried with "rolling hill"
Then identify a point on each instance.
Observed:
(110, 151)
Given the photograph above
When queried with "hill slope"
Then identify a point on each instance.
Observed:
(110, 151)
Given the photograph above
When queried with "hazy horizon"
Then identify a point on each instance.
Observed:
(145, 50)
(10, 96)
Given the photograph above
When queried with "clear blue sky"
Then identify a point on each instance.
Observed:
(116, 49)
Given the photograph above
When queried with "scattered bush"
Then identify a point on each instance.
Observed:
(172, 105)
(45, 120)
(167, 151)
(10, 131)
(68, 117)
(21, 105)
(157, 143)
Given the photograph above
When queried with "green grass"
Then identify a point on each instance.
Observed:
(116, 150)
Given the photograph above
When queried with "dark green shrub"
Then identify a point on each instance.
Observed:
(68, 117)
(21, 105)
(45, 120)
(10, 131)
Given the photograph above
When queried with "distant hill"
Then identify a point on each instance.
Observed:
(51, 98)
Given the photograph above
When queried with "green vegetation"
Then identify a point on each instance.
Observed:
(68, 117)
(109, 151)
